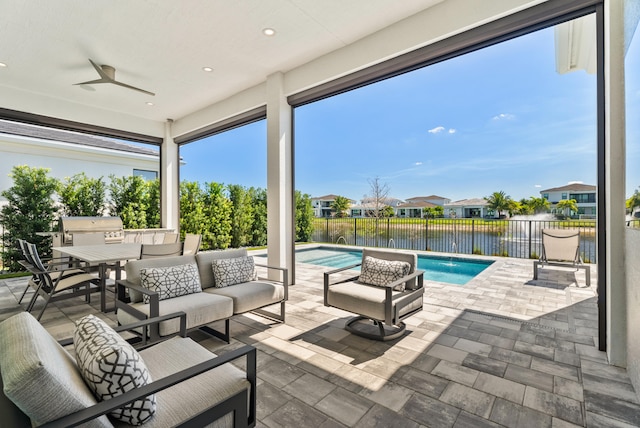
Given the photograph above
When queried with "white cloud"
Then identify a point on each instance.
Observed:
(436, 130)
(504, 116)
(452, 131)
(537, 186)
(418, 163)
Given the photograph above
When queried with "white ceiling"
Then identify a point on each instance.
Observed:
(162, 46)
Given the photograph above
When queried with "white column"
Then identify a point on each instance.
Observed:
(615, 182)
(280, 226)
(169, 180)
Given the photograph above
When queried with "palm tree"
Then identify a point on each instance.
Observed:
(499, 201)
(634, 201)
(538, 205)
(340, 206)
(569, 205)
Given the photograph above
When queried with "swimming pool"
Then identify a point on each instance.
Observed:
(452, 270)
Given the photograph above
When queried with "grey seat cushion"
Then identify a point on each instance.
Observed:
(250, 295)
(190, 397)
(201, 309)
(205, 259)
(368, 300)
(39, 376)
(133, 267)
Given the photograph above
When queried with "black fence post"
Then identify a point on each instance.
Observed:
(529, 238)
(355, 231)
(473, 235)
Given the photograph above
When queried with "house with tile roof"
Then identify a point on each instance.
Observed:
(413, 209)
(322, 205)
(433, 199)
(584, 195)
(468, 208)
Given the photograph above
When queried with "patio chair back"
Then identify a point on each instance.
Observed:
(149, 251)
(170, 238)
(191, 244)
(410, 258)
(560, 245)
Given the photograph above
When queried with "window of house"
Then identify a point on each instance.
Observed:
(146, 174)
(564, 196)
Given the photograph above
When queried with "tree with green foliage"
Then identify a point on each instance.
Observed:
(152, 213)
(217, 211)
(82, 196)
(30, 209)
(433, 212)
(259, 204)
(304, 217)
(192, 216)
(633, 201)
(499, 202)
(241, 216)
(538, 205)
(567, 207)
(129, 200)
(387, 212)
(340, 206)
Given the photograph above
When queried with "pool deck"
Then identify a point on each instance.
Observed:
(502, 350)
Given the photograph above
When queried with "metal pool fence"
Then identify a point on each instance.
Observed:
(508, 238)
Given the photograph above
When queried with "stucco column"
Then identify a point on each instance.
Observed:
(169, 180)
(615, 182)
(280, 226)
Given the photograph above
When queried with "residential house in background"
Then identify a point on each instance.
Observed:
(413, 209)
(67, 153)
(468, 208)
(322, 205)
(433, 199)
(584, 195)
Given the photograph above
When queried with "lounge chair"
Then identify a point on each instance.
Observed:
(388, 290)
(150, 251)
(561, 248)
(191, 244)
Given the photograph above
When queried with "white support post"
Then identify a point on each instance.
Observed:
(280, 223)
(169, 180)
(615, 182)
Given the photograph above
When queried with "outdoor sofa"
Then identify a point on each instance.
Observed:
(175, 382)
(209, 286)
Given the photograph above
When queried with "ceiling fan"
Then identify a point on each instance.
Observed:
(108, 75)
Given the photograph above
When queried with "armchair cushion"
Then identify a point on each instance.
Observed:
(171, 281)
(39, 376)
(381, 273)
(233, 271)
(110, 367)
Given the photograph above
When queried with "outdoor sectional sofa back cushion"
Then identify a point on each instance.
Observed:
(133, 268)
(39, 376)
(205, 260)
(233, 271)
(171, 281)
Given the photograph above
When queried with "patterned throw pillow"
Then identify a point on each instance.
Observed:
(110, 367)
(171, 281)
(383, 272)
(233, 271)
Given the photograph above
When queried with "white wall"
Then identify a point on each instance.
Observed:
(632, 253)
(65, 160)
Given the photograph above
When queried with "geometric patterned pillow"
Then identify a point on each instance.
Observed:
(383, 272)
(171, 281)
(110, 367)
(233, 271)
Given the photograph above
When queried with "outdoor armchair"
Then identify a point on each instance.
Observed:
(561, 248)
(388, 290)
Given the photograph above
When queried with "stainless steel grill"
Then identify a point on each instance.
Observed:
(72, 226)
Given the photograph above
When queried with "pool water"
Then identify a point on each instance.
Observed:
(452, 270)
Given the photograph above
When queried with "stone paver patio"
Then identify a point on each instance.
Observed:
(502, 350)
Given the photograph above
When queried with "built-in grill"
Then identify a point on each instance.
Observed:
(73, 226)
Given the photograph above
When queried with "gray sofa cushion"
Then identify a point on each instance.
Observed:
(133, 267)
(367, 300)
(201, 309)
(170, 281)
(381, 272)
(205, 259)
(39, 376)
(190, 397)
(250, 295)
(233, 271)
(110, 366)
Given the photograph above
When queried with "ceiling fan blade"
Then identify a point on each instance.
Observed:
(124, 85)
(101, 71)
(93, 82)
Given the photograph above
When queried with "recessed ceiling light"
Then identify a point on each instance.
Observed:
(269, 32)
(149, 103)
(2, 64)
(207, 69)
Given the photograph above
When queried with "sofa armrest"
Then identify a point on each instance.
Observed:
(236, 403)
(285, 277)
(327, 278)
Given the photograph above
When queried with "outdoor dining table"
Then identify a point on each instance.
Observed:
(102, 255)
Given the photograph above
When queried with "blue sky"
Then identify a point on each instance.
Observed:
(497, 119)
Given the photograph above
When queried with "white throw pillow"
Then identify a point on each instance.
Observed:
(233, 271)
(110, 367)
(383, 272)
(171, 281)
